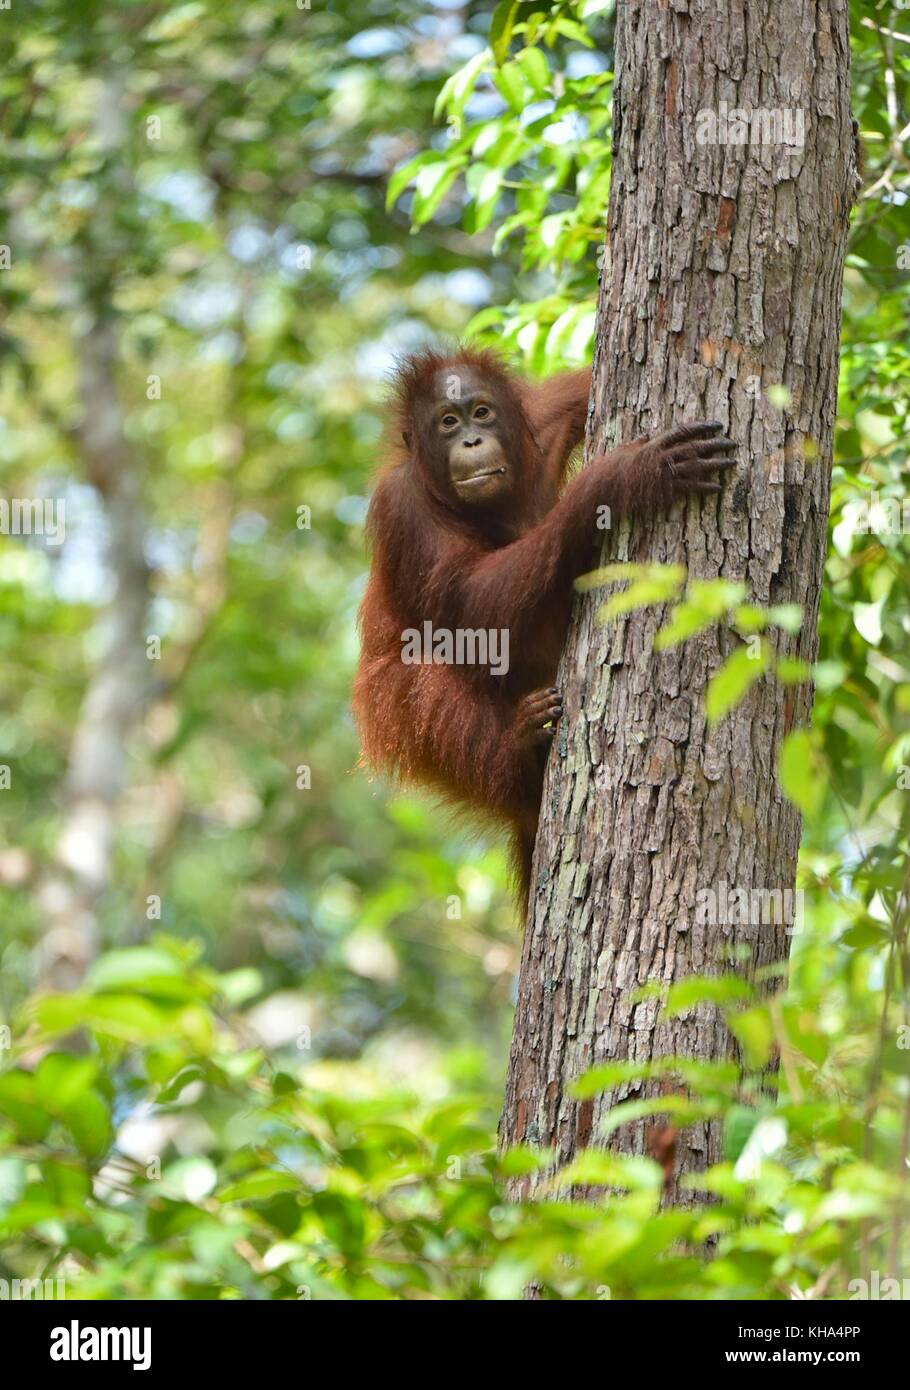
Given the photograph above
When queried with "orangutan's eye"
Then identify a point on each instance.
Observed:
(482, 412)
(449, 421)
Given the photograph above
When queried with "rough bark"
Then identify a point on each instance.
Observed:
(725, 280)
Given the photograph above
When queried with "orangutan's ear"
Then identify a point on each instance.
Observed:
(406, 436)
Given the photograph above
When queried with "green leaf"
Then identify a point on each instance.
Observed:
(501, 26)
(829, 675)
(739, 1122)
(483, 184)
(697, 989)
(749, 618)
(789, 616)
(731, 683)
(650, 584)
(592, 1167)
(511, 83)
(507, 226)
(178, 1083)
(61, 1079)
(706, 601)
(792, 672)
(522, 1159)
(577, 32)
(88, 1120)
(536, 69)
(755, 1032)
(684, 1110)
(407, 174)
(343, 1219)
(122, 1016)
(608, 1075)
(455, 92)
(19, 1102)
(142, 968)
(258, 1186)
(609, 574)
(433, 183)
(865, 935)
(800, 771)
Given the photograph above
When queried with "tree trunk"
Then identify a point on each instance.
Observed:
(726, 277)
(118, 687)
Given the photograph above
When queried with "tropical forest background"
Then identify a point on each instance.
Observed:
(255, 1007)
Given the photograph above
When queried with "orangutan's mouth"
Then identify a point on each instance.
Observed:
(476, 477)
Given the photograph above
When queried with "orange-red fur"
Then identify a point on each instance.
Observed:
(457, 729)
(448, 727)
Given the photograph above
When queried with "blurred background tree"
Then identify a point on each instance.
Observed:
(205, 300)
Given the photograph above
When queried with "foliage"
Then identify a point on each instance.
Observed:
(272, 1182)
